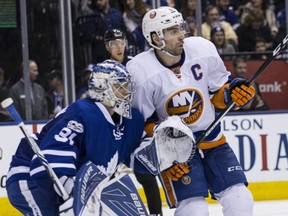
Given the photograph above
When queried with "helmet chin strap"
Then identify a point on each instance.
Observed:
(162, 49)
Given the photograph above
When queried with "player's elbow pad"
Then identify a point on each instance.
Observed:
(218, 98)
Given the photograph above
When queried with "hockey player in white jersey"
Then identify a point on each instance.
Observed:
(102, 128)
(186, 77)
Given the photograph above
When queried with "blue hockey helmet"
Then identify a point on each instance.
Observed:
(111, 84)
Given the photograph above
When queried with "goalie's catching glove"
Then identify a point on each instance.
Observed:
(177, 171)
(239, 92)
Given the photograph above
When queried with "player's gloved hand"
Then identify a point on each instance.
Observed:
(239, 92)
(68, 184)
(177, 171)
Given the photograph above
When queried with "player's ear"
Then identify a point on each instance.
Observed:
(107, 47)
(155, 39)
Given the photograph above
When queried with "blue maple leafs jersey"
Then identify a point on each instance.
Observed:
(81, 132)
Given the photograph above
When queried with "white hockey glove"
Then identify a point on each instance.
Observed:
(68, 184)
(174, 142)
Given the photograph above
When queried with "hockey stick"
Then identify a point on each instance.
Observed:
(8, 105)
(260, 70)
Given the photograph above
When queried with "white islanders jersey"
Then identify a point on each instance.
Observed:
(158, 89)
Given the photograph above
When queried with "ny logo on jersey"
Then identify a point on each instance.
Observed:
(118, 132)
(186, 103)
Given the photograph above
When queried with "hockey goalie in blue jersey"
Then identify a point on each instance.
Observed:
(102, 128)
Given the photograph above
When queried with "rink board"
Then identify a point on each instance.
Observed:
(259, 140)
(260, 191)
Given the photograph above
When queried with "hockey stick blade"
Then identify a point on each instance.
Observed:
(260, 70)
(8, 105)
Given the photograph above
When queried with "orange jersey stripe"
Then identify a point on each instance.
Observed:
(208, 145)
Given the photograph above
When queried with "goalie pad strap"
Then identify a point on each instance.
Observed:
(208, 145)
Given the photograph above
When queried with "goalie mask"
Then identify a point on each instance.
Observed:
(111, 84)
(156, 20)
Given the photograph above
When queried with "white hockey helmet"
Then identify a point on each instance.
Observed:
(111, 84)
(156, 20)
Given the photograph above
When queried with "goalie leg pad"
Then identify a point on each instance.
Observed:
(87, 179)
(95, 194)
(119, 196)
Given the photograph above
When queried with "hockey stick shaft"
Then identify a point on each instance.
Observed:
(260, 70)
(8, 105)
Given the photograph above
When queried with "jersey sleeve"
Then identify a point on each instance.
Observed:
(143, 97)
(58, 142)
(218, 74)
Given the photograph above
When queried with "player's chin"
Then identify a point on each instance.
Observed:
(179, 50)
(118, 57)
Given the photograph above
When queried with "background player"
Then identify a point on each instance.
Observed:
(240, 70)
(186, 77)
